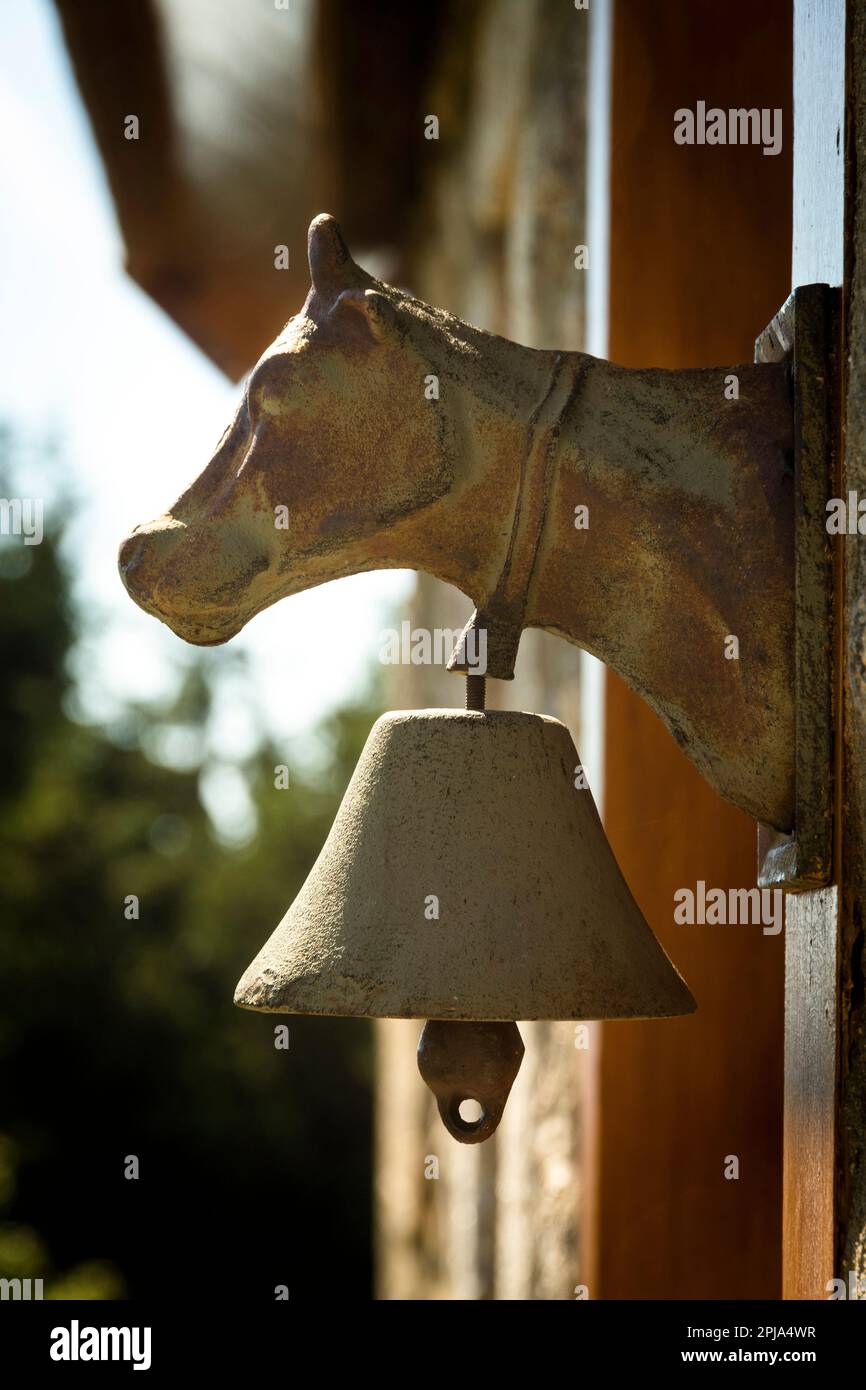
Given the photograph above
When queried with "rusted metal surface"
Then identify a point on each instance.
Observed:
(470, 1061)
(392, 434)
(804, 334)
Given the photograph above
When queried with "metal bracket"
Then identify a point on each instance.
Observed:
(805, 333)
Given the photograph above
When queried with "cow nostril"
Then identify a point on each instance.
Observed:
(129, 551)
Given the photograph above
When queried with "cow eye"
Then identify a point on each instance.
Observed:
(253, 398)
(263, 391)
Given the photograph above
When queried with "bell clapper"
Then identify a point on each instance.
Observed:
(470, 1061)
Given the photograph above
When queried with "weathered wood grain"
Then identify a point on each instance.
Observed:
(810, 1092)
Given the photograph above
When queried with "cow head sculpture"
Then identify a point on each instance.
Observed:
(635, 512)
(325, 458)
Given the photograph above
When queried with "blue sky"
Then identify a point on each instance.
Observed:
(90, 361)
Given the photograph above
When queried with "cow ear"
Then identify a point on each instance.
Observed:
(328, 254)
(370, 308)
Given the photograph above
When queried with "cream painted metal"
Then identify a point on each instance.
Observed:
(466, 876)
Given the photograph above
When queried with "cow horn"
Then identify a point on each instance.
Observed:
(330, 262)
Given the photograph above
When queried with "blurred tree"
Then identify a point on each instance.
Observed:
(119, 1037)
(23, 1254)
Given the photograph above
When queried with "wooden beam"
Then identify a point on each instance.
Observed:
(850, 1240)
(812, 925)
(810, 1092)
(695, 275)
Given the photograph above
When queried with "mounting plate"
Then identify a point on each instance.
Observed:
(805, 333)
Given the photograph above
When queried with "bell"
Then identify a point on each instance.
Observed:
(466, 880)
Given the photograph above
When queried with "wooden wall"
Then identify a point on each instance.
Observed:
(699, 263)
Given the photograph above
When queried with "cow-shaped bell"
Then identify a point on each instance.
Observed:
(466, 880)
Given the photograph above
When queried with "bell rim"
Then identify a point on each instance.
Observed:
(465, 1016)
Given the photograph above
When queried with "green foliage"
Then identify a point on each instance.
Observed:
(120, 1037)
(24, 1255)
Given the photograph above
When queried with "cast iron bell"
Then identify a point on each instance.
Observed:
(466, 880)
